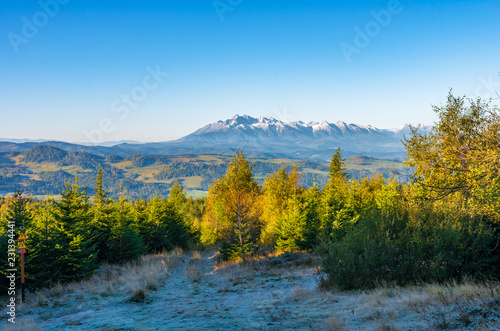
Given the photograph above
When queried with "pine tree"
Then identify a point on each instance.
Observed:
(18, 216)
(279, 188)
(337, 167)
(313, 223)
(125, 243)
(175, 223)
(102, 219)
(178, 196)
(76, 258)
(233, 208)
(291, 225)
(46, 239)
(334, 197)
(154, 231)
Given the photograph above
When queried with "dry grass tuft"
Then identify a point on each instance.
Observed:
(271, 264)
(24, 324)
(464, 305)
(452, 293)
(466, 290)
(194, 271)
(382, 296)
(333, 323)
(386, 326)
(134, 279)
(456, 305)
(300, 293)
(139, 295)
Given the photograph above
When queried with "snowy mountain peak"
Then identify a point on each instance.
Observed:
(268, 119)
(241, 119)
(247, 128)
(268, 135)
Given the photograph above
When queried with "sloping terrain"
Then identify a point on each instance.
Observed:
(193, 292)
(44, 169)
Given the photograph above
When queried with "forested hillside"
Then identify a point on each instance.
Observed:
(44, 170)
(442, 225)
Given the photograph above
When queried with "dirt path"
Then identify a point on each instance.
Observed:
(195, 295)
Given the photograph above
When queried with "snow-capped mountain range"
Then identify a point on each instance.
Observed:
(263, 137)
(265, 127)
(312, 141)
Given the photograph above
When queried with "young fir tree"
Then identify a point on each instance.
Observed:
(164, 226)
(188, 212)
(17, 212)
(155, 233)
(291, 225)
(141, 218)
(125, 243)
(178, 196)
(102, 219)
(175, 223)
(311, 237)
(332, 207)
(337, 167)
(233, 211)
(18, 216)
(279, 188)
(77, 256)
(44, 241)
(195, 209)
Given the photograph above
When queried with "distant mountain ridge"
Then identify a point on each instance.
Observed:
(103, 144)
(148, 169)
(262, 137)
(298, 139)
(269, 127)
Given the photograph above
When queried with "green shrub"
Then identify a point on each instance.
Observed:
(383, 250)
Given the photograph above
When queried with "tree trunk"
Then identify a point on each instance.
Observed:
(241, 237)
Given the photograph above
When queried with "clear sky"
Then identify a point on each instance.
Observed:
(78, 70)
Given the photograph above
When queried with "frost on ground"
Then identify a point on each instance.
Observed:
(178, 291)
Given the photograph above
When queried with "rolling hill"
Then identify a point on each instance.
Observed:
(44, 169)
(148, 169)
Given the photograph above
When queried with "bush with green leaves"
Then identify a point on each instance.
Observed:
(383, 250)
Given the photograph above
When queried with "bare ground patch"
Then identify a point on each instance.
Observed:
(194, 292)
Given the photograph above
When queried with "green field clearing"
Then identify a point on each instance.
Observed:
(193, 181)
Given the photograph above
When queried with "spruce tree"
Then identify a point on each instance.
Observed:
(102, 219)
(313, 222)
(337, 167)
(46, 242)
(77, 257)
(17, 212)
(178, 196)
(334, 198)
(175, 223)
(233, 208)
(155, 233)
(279, 188)
(291, 225)
(125, 243)
(18, 216)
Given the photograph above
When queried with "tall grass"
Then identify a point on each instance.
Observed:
(131, 278)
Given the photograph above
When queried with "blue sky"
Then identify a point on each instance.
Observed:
(97, 71)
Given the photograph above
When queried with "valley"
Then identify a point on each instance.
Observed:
(44, 170)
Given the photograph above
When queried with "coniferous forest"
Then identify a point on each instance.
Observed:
(441, 223)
